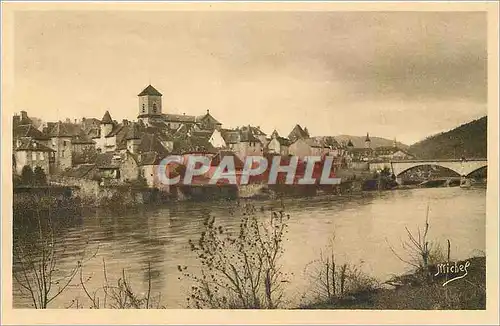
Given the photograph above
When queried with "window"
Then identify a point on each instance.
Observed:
(62, 154)
(64, 143)
(33, 156)
(154, 107)
(143, 108)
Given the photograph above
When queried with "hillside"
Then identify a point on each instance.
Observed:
(467, 140)
(359, 141)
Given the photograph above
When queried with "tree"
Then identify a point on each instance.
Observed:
(36, 252)
(39, 177)
(240, 270)
(16, 180)
(27, 175)
(385, 173)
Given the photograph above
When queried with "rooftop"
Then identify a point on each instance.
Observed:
(150, 90)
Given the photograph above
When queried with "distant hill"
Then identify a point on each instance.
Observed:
(467, 140)
(359, 141)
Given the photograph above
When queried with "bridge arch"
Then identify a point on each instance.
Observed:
(457, 173)
(480, 168)
(458, 166)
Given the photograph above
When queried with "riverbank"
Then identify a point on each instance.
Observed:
(130, 240)
(61, 200)
(467, 293)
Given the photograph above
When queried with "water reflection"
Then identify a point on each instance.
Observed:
(362, 228)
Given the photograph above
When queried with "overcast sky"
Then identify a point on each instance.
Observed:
(404, 75)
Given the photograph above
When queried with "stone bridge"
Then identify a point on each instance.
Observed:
(461, 167)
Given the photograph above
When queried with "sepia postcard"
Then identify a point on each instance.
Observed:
(250, 162)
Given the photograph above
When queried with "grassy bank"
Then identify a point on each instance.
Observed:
(468, 293)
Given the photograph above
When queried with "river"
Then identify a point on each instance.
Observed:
(363, 227)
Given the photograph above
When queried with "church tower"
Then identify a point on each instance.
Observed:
(106, 124)
(368, 142)
(149, 104)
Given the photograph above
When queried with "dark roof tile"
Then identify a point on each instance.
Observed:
(297, 132)
(107, 118)
(29, 131)
(150, 90)
(179, 118)
(111, 160)
(32, 146)
(83, 171)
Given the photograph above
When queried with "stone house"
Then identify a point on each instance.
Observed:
(68, 139)
(392, 153)
(308, 147)
(244, 141)
(149, 163)
(121, 167)
(256, 132)
(34, 154)
(298, 133)
(28, 131)
(248, 145)
(277, 145)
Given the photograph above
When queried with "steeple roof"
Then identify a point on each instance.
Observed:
(107, 118)
(150, 90)
(297, 132)
(367, 137)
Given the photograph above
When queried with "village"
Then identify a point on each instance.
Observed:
(247, 157)
(118, 153)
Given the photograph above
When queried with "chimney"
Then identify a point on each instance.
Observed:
(24, 115)
(125, 122)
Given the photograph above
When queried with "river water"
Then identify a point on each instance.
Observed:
(362, 228)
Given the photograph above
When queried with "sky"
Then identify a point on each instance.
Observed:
(403, 75)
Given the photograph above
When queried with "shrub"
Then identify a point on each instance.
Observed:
(420, 253)
(119, 296)
(39, 177)
(332, 281)
(240, 271)
(27, 175)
